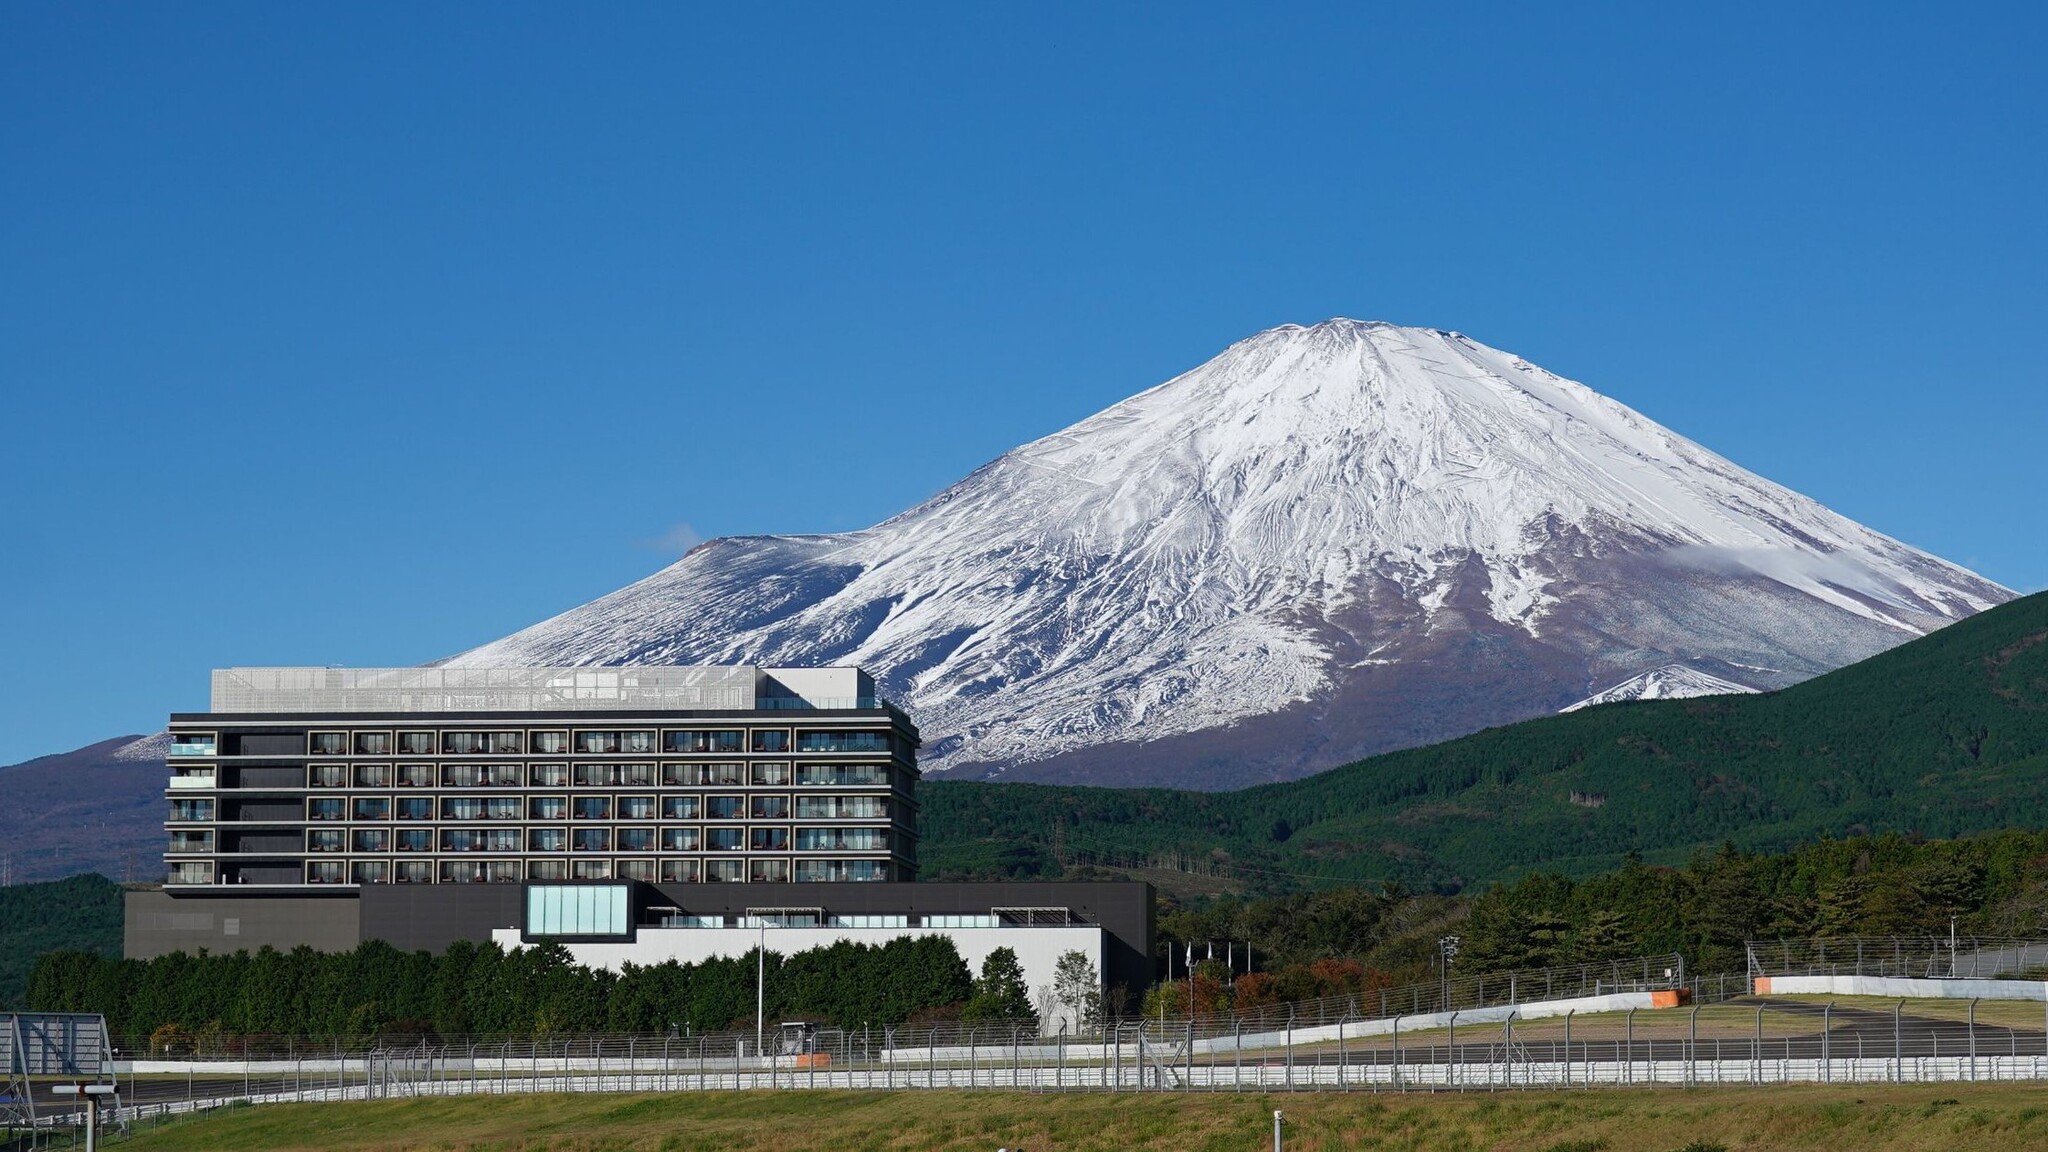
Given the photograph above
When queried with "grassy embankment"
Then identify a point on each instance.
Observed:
(1871, 1118)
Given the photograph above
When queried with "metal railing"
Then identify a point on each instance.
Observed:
(1910, 957)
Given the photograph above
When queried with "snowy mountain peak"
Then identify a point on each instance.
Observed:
(1358, 534)
(1671, 682)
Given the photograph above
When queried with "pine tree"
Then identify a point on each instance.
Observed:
(999, 993)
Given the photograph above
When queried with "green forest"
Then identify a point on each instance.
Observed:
(1941, 737)
(82, 913)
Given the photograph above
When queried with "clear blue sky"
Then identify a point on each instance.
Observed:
(362, 334)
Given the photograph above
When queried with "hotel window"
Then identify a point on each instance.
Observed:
(680, 872)
(771, 739)
(194, 744)
(461, 840)
(722, 775)
(183, 810)
(769, 840)
(415, 839)
(461, 808)
(637, 741)
(192, 841)
(327, 743)
(592, 840)
(636, 807)
(842, 741)
(462, 872)
(768, 871)
(192, 872)
(415, 775)
(373, 808)
(636, 870)
(414, 872)
(461, 775)
(845, 870)
(549, 775)
(692, 740)
(505, 743)
(416, 743)
(681, 807)
(324, 840)
(594, 775)
(681, 840)
(501, 775)
(771, 807)
(462, 743)
(771, 775)
(547, 870)
(590, 742)
(636, 775)
(372, 840)
(842, 808)
(415, 808)
(326, 808)
(549, 743)
(327, 776)
(842, 775)
(325, 871)
(725, 871)
(592, 808)
(501, 808)
(636, 839)
(372, 872)
(373, 775)
(373, 743)
(590, 869)
(501, 840)
(725, 839)
(548, 840)
(548, 808)
(842, 839)
(725, 807)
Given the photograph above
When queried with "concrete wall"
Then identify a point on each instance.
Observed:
(430, 917)
(1038, 949)
(1895, 986)
(155, 924)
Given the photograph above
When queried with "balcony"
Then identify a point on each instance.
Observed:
(190, 783)
(182, 746)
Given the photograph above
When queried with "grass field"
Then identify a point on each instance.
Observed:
(1872, 1118)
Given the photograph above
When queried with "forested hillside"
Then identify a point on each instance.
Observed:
(1944, 736)
(80, 914)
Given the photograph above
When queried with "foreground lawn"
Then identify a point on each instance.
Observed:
(1871, 1118)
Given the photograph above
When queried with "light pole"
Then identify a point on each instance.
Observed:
(1448, 946)
(760, 986)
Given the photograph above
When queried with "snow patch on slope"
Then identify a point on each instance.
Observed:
(1671, 682)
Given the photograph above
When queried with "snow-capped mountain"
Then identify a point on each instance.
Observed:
(1326, 542)
(1671, 682)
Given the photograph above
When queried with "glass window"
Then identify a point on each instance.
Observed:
(680, 872)
(547, 870)
(842, 839)
(771, 775)
(723, 740)
(191, 809)
(373, 743)
(548, 807)
(769, 839)
(413, 872)
(461, 840)
(415, 775)
(681, 840)
(372, 840)
(771, 739)
(771, 807)
(548, 840)
(501, 775)
(327, 743)
(593, 840)
(501, 808)
(462, 743)
(592, 808)
(462, 808)
(371, 872)
(841, 741)
(501, 840)
(842, 808)
(373, 808)
(636, 839)
(590, 869)
(842, 775)
(326, 808)
(325, 871)
(324, 840)
(681, 807)
(845, 870)
(639, 741)
(414, 839)
(415, 808)
(725, 839)
(461, 775)
(549, 775)
(193, 744)
(327, 776)
(548, 743)
(594, 775)
(725, 871)
(636, 807)
(768, 871)
(192, 872)
(725, 807)
(636, 870)
(416, 743)
(590, 742)
(373, 775)
(505, 743)
(462, 872)
(192, 841)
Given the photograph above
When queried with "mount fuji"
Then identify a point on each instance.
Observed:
(1326, 542)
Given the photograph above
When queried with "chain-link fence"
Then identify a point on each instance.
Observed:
(1908, 957)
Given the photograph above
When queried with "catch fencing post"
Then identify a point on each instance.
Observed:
(1451, 1052)
(1568, 1046)
(1692, 1046)
(1629, 1034)
(1973, 1031)
(1757, 1058)
(1276, 1130)
(1826, 1064)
